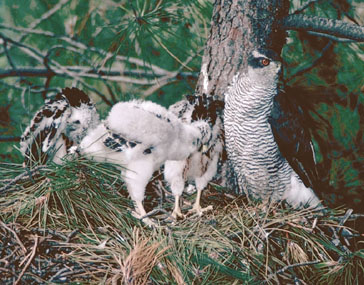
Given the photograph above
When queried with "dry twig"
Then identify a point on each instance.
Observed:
(21, 176)
(15, 235)
(29, 260)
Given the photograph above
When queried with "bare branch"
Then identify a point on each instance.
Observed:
(45, 16)
(9, 139)
(287, 267)
(29, 260)
(337, 7)
(332, 27)
(29, 50)
(46, 86)
(302, 70)
(32, 89)
(15, 235)
(149, 74)
(111, 92)
(49, 13)
(5, 44)
(305, 6)
(25, 72)
(168, 78)
(107, 55)
(54, 68)
(20, 176)
(107, 74)
(333, 38)
(160, 83)
(102, 96)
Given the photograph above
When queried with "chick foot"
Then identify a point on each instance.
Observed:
(140, 214)
(177, 210)
(197, 209)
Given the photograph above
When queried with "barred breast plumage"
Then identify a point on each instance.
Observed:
(261, 170)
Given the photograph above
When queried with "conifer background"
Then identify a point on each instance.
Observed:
(78, 214)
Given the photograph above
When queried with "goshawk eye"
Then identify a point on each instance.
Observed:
(265, 61)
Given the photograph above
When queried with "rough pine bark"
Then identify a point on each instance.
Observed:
(237, 27)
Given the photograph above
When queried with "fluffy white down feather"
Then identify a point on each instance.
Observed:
(199, 167)
(151, 127)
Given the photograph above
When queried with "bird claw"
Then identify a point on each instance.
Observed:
(146, 220)
(178, 214)
(198, 210)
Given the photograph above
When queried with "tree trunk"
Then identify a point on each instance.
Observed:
(238, 27)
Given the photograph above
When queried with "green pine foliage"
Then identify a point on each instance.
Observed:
(79, 213)
(156, 46)
(325, 77)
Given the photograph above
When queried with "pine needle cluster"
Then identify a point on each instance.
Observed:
(72, 223)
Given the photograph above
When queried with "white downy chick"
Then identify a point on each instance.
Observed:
(140, 136)
(58, 126)
(201, 166)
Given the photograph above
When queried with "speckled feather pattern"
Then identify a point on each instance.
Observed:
(200, 167)
(61, 123)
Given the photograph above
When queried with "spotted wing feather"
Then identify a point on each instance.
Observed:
(52, 126)
(45, 127)
(118, 143)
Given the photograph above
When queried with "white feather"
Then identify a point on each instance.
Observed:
(198, 167)
(150, 127)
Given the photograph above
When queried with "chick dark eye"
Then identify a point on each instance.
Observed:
(77, 122)
(265, 61)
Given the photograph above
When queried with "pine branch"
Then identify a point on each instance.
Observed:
(332, 27)
(111, 74)
(313, 64)
(27, 172)
(305, 6)
(9, 139)
(77, 44)
(287, 267)
(32, 89)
